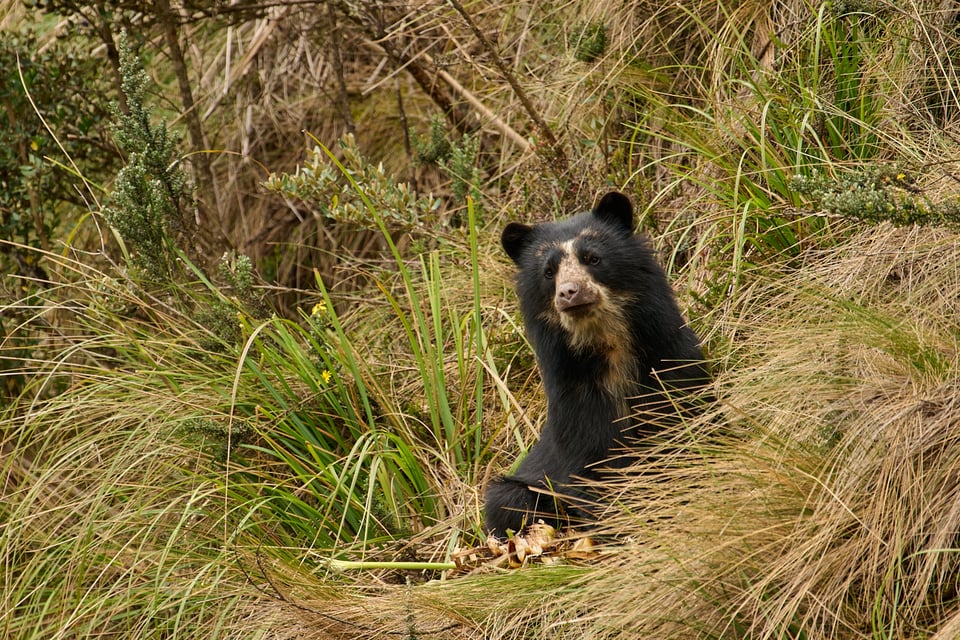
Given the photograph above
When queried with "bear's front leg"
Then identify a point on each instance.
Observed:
(511, 505)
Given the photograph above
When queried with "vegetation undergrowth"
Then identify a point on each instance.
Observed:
(221, 382)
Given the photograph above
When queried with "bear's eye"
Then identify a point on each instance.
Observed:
(589, 258)
(548, 273)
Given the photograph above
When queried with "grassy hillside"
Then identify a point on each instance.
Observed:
(226, 379)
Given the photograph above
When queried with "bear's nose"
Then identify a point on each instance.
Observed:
(567, 291)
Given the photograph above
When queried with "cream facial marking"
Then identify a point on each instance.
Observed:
(593, 318)
(576, 293)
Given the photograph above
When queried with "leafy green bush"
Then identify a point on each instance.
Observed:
(348, 190)
(458, 159)
(151, 196)
(877, 193)
(54, 157)
(394, 436)
(588, 41)
(53, 107)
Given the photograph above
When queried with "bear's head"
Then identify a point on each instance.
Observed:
(579, 274)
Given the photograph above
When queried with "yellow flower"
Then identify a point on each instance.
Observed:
(320, 307)
(326, 375)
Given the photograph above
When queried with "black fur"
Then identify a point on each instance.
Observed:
(589, 395)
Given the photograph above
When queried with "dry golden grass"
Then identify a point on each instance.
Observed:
(826, 506)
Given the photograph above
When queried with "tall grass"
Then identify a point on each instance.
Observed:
(109, 526)
(379, 443)
(181, 464)
(270, 438)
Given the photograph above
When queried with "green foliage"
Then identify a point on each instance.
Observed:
(67, 89)
(329, 188)
(52, 114)
(216, 438)
(851, 123)
(237, 271)
(334, 471)
(364, 440)
(436, 147)
(463, 169)
(861, 7)
(149, 204)
(317, 430)
(589, 41)
(877, 193)
(458, 160)
(221, 306)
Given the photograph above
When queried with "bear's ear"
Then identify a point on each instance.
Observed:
(615, 209)
(515, 238)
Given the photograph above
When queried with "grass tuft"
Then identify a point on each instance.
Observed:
(180, 461)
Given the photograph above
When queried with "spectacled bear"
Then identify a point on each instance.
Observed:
(613, 350)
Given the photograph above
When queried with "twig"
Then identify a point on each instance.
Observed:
(168, 18)
(489, 116)
(343, 100)
(558, 156)
(366, 565)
